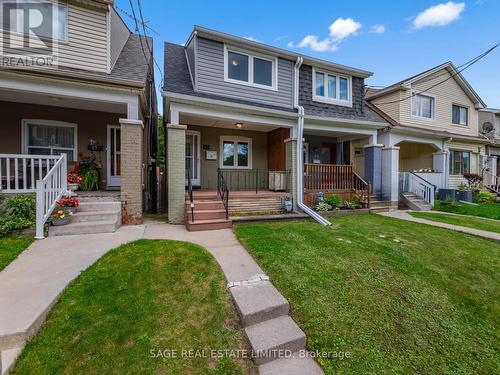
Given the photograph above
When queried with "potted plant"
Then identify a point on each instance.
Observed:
(74, 181)
(89, 170)
(59, 217)
(70, 205)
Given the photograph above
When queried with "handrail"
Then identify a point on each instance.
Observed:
(223, 191)
(360, 186)
(493, 182)
(409, 182)
(190, 194)
(48, 191)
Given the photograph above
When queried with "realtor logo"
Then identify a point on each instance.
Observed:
(30, 32)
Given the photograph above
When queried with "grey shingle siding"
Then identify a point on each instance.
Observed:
(210, 78)
(358, 111)
(178, 80)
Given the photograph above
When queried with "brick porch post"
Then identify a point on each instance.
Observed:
(176, 172)
(131, 170)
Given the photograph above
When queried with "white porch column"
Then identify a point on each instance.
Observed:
(492, 165)
(390, 174)
(440, 164)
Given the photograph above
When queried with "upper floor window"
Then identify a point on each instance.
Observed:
(459, 115)
(249, 69)
(422, 106)
(51, 19)
(459, 162)
(331, 88)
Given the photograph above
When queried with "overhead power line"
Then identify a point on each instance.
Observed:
(458, 70)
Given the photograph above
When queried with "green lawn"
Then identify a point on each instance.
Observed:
(140, 303)
(489, 210)
(400, 297)
(11, 247)
(465, 221)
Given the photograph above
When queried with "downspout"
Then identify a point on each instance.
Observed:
(300, 135)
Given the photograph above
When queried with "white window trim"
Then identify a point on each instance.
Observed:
(326, 99)
(25, 137)
(468, 115)
(433, 118)
(461, 151)
(251, 55)
(235, 139)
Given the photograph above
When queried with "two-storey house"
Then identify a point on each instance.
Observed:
(434, 129)
(98, 101)
(247, 118)
(489, 125)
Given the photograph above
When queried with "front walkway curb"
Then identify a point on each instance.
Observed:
(404, 215)
(32, 284)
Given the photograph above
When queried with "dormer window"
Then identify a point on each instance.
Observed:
(250, 69)
(331, 88)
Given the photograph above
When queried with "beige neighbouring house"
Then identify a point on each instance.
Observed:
(98, 99)
(434, 129)
(489, 125)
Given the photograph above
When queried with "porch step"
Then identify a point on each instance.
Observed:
(86, 206)
(258, 302)
(206, 214)
(377, 205)
(205, 205)
(213, 224)
(270, 339)
(88, 227)
(414, 202)
(86, 216)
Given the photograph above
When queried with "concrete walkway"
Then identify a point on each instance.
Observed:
(404, 215)
(32, 283)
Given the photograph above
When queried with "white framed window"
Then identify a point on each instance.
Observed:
(47, 137)
(329, 87)
(235, 152)
(459, 162)
(459, 115)
(423, 106)
(56, 29)
(250, 69)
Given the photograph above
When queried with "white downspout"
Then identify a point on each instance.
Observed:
(300, 137)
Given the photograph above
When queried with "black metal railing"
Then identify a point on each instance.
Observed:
(190, 194)
(257, 179)
(223, 191)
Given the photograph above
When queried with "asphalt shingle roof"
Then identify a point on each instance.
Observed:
(131, 63)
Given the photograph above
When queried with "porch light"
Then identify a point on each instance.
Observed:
(235, 62)
(239, 125)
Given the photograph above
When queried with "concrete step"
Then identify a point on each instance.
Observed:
(296, 364)
(206, 214)
(214, 224)
(271, 339)
(86, 216)
(99, 206)
(258, 302)
(379, 209)
(88, 227)
(7, 359)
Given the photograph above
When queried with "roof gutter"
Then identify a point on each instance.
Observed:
(300, 134)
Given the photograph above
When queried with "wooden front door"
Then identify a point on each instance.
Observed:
(328, 153)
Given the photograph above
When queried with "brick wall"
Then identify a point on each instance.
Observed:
(176, 172)
(131, 171)
(291, 165)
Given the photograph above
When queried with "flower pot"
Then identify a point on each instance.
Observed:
(59, 222)
(73, 187)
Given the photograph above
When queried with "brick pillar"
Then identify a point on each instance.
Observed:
(131, 170)
(390, 174)
(373, 168)
(291, 165)
(176, 172)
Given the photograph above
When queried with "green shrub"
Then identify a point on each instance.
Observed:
(17, 213)
(333, 200)
(323, 207)
(487, 197)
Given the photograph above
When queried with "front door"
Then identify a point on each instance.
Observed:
(113, 156)
(193, 156)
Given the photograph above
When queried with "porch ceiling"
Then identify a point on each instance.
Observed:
(59, 101)
(334, 134)
(223, 123)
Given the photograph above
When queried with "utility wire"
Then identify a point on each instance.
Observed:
(457, 72)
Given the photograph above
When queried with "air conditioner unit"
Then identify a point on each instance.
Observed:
(277, 180)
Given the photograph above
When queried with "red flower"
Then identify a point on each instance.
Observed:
(73, 178)
(68, 202)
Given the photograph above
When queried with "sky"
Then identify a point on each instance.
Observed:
(392, 39)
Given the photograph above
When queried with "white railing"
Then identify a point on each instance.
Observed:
(435, 178)
(411, 183)
(48, 191)
(19, 173)
(490, 180)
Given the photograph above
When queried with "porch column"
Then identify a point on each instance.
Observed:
(390, 174)
(176, 172)
(131, 170)
(291, 165)
(373, 167)
(440, 164)
(492, 165)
